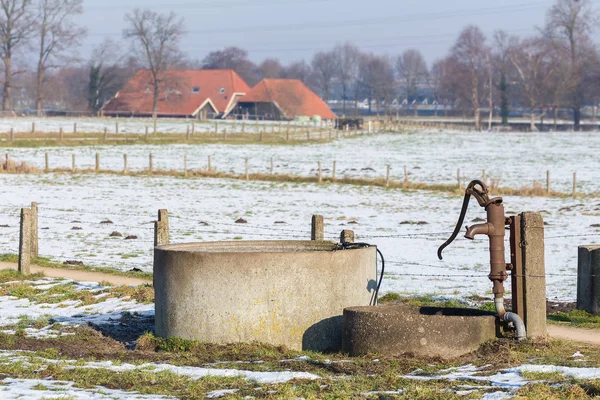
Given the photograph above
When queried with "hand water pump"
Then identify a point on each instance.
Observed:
(494, 228)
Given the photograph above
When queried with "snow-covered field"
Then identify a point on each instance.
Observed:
(408, 226)
(514, 159)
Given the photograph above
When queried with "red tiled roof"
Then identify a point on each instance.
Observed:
(183, 92)
(292, 96)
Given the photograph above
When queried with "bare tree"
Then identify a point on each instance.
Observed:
(155, 38)
(271, 68)
(324, 65)
(298, 70)
(569, 26)
(15, 29)
(234, 58)
(533, 64)
(348, 57)
(376, 79)
(411, 70)
(471, 57)
(107, 73)
(56, 35)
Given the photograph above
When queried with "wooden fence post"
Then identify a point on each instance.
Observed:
(387, 176)
(333, 172)
(548, 181)
(150, 166)
(272, 165)
(46, 162)
(73, 162)
(317, 231)
(12, 135)
(247, 172)
(209, 166)
(574, 184)
(60, 134)
(347, 236)
(25, 242)
(125, 169)
(35, 249)
(75, 128)
(320, 175)
(97, 162)
(161, 229)
(33, 127)
(185, 169)
(193, 127)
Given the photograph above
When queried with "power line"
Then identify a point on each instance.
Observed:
(363, 21)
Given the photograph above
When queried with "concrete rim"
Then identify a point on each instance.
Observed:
(252, 246)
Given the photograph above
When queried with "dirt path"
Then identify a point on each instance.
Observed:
(574, 334)
(82, 276)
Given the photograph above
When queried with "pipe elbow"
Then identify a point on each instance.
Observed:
(510, 317)
(479, 229)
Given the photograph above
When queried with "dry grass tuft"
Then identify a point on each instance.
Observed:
(11, 166)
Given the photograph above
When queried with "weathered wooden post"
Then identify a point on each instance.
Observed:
(75, 128)
(97, 162)
(73, 162)
(588, 279)
(187, 134)
(24, 265)
(574, 184)
(209, 166)
(548, 181)
(347, 236)
(35, 247)
(320, 173)
(116, 127)
(317, 231)
(333, 171)
(125, 169)
(150, 162)
(185, 169)
(247, 171)
(387, 176)
(105, 137)
(33, 127)
(272, 166)
(161, 229)
(60, 134)
(12, 135)
(193, 127)
(46, 162)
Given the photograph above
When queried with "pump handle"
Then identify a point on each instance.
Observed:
(482, 199)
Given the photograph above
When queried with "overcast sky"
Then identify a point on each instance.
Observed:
(296, 29)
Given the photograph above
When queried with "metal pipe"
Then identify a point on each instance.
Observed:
(510, 317)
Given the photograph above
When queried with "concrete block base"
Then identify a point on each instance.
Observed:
(422, 331)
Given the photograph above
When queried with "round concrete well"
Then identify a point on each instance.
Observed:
(288, 293)
(398, 329)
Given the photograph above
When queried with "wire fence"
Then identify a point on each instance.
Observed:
(76, 245)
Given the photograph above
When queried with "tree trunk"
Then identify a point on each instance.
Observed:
(155, 101)
(7, 91)
(40, 87)
(576, 118)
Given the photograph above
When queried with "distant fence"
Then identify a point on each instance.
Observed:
(320, 175)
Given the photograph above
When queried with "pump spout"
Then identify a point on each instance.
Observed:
(479, 229)
(510, 317)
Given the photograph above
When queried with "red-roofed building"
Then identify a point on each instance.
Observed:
(281, 99)
(184, 93)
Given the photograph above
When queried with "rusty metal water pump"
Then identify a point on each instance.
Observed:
(494, 228)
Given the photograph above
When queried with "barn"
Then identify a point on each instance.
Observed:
(281, 99)
(197, 94)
